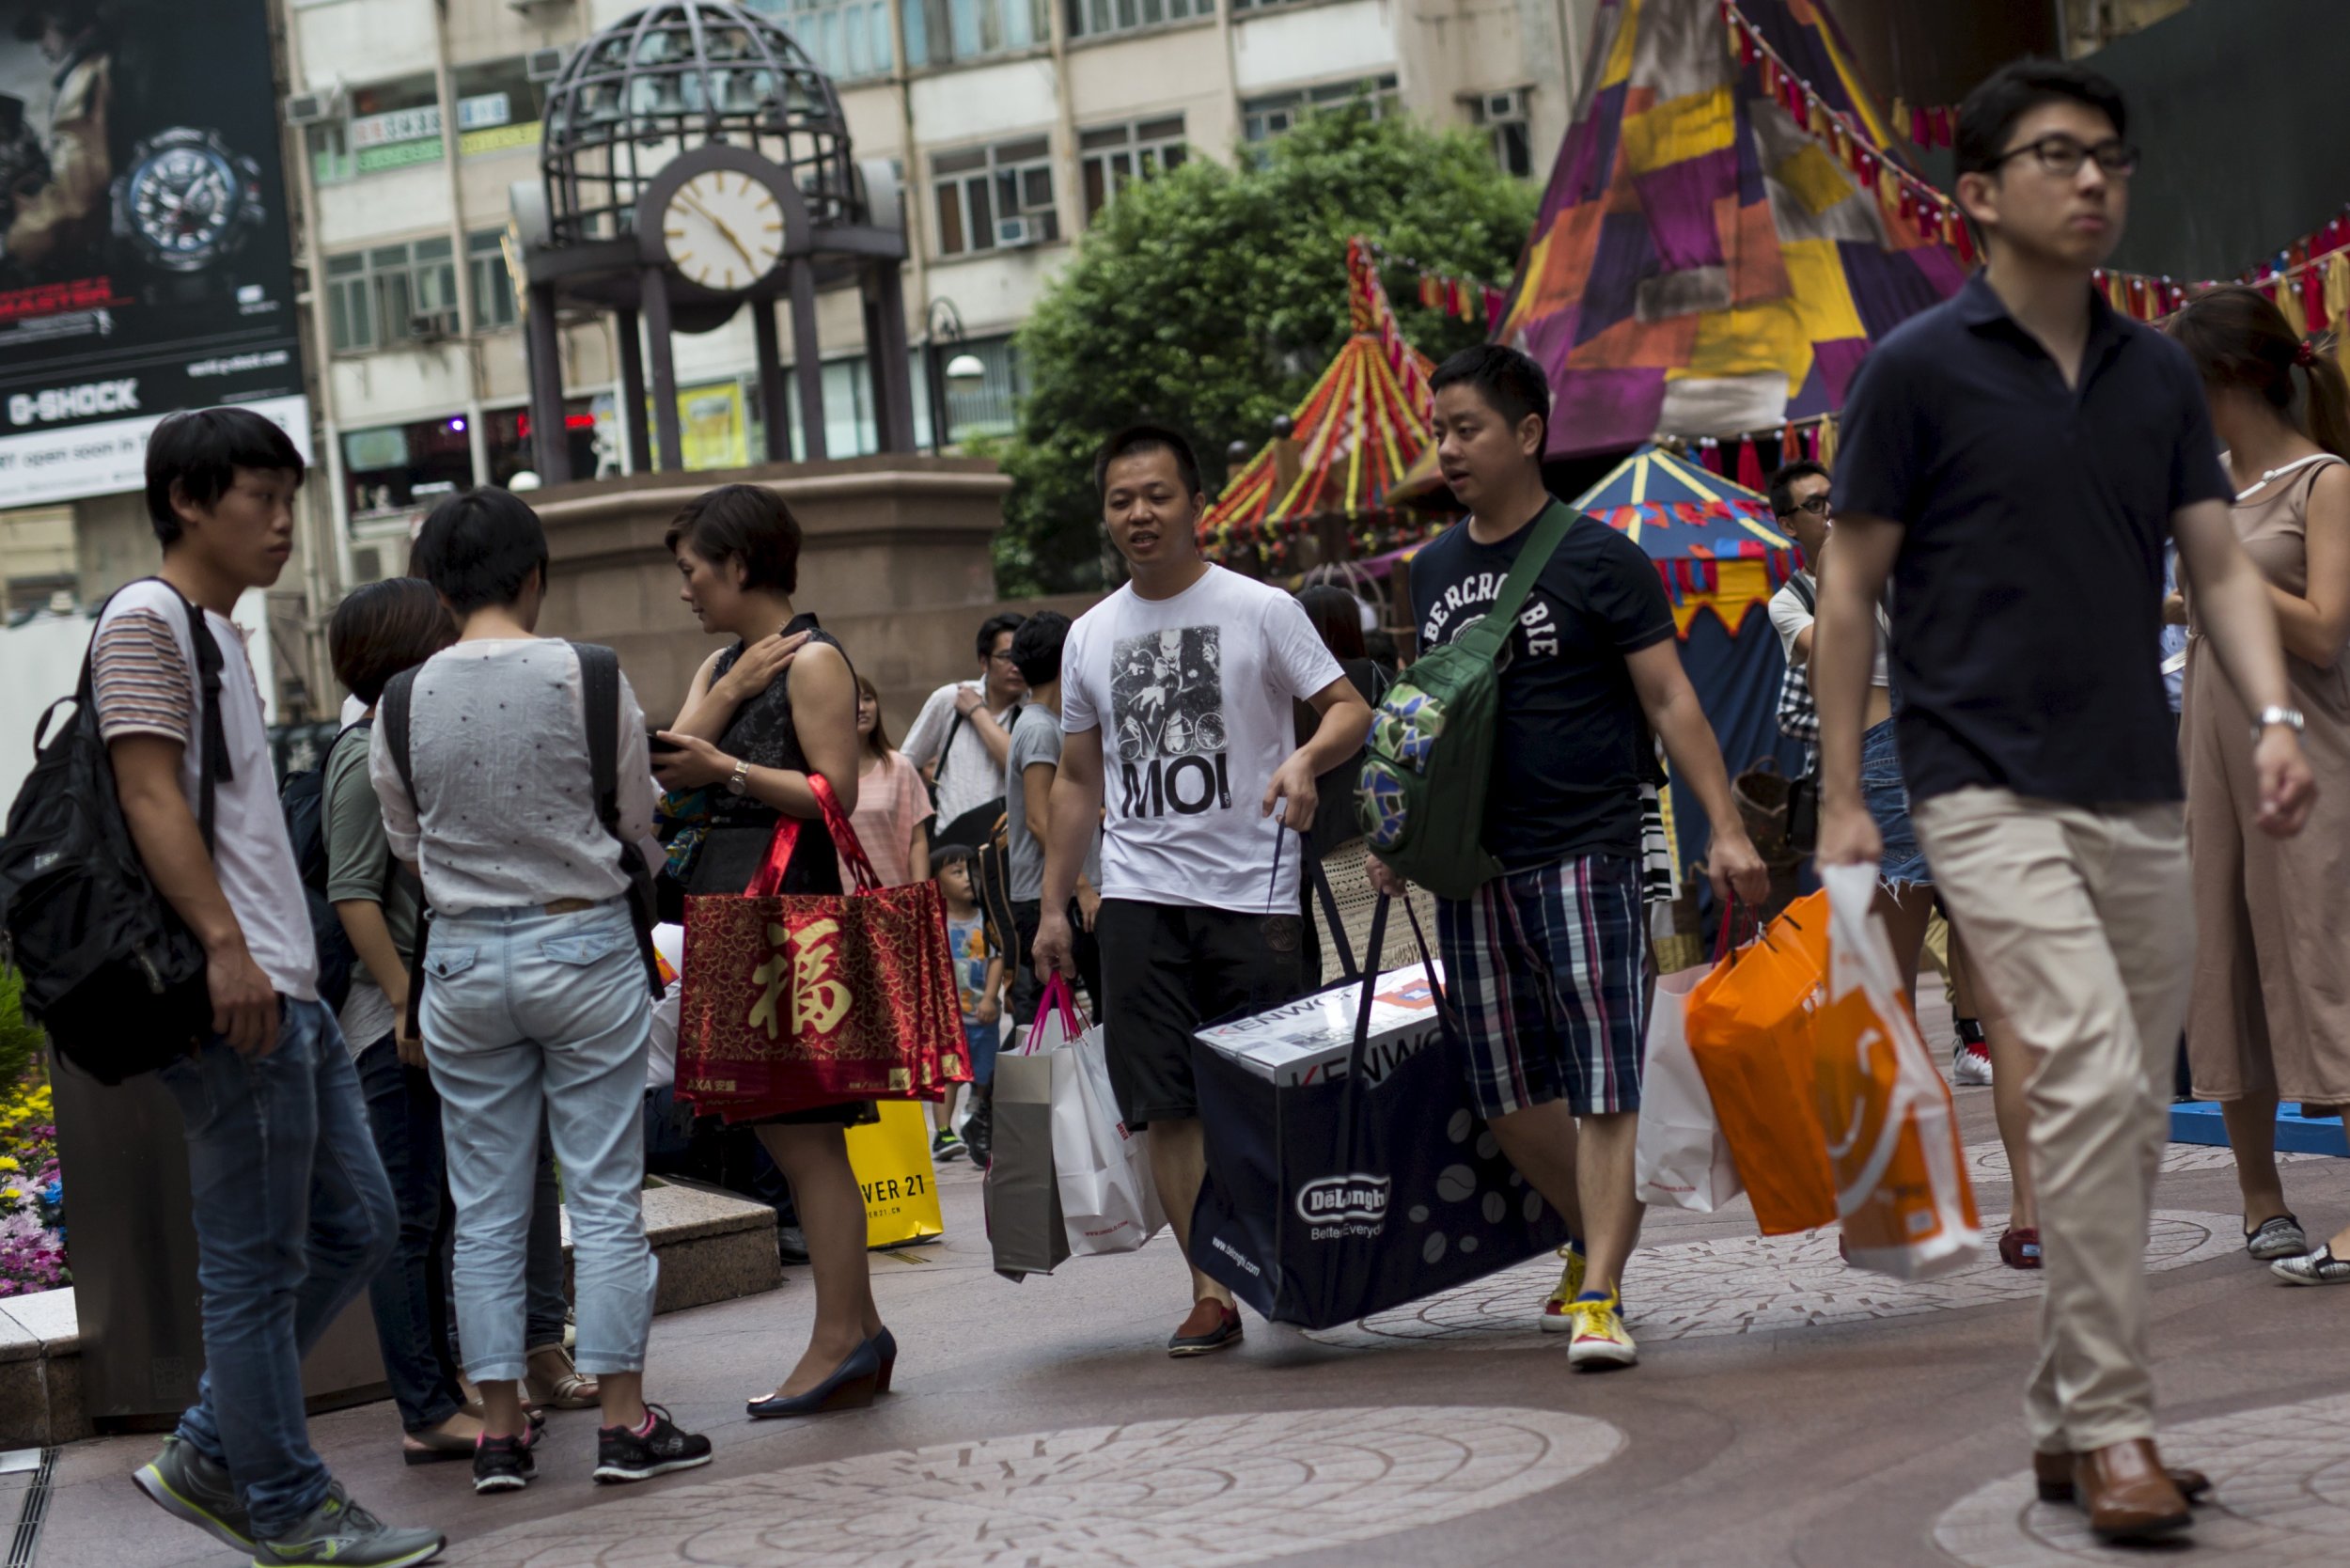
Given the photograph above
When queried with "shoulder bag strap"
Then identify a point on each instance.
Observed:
(391, 708)
(213, 764)
(1492, 631)
(600, 706)
(1803, 591)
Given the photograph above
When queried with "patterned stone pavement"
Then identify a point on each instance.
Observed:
(1745, 1284)
(1988, 1161)
(1203, 1492)
(2281, 1499)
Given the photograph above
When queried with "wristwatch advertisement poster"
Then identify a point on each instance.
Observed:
(146, 264)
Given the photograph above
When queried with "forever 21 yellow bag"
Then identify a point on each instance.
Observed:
(892, 1161)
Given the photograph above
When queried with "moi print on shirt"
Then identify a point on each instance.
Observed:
(1167, 705)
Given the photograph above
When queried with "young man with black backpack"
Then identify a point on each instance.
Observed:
(1546, 958)
(292, 1213)
(508, 765)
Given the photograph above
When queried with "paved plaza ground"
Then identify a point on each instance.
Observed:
(1786, 1411)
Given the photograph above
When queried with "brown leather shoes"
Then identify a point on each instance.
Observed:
(2053, 1474)
(2126, 1494)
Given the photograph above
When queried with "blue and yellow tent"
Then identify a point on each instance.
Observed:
(1720, 557)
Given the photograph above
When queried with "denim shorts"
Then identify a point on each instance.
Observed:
(1888, 799)
(981, 1041)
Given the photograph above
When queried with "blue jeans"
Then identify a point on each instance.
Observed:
(292, 1217)
(1888, 798)
(528, 1014)
(411, 1294)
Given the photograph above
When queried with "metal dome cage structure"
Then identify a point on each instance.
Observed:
(697, 162)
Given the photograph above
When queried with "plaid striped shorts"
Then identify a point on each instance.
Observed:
(1546, 968)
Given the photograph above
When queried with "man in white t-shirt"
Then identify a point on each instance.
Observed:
(1177, 696)
(963, 732)
(292, 1212)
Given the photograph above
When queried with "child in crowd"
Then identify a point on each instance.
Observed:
(980, 978)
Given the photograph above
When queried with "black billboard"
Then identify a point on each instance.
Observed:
(145, 261)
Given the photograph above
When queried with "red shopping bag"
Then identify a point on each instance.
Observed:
(797, 1000)
(1749, 1026)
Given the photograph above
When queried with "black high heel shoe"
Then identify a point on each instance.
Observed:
(851, 1387)
(885, 1345)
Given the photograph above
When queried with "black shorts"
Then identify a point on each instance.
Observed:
(1168, 969)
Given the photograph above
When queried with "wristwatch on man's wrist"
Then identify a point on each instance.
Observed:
(2274, 714)
(741, 783)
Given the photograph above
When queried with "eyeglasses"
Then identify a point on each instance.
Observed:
(1004, 659)
(1817, 507)
(2062, 156)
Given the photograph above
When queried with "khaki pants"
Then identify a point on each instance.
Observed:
(2081, 922)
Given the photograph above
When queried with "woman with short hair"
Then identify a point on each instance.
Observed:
(767, 714)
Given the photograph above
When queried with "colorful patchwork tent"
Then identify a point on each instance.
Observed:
(1722, 237)
(1353, 439)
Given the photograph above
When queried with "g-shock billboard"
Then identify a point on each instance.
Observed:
(145, 264)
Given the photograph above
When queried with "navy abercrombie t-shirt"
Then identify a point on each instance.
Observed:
(1573, 744)
(2028, 593)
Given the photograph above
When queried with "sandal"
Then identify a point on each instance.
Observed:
(434, 1448)
(2020, 1248)
(568, 1391)
(2273, 1239)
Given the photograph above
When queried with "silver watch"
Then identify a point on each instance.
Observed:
(741, 783)
(2274, 714)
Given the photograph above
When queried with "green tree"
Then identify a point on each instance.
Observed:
(1209, 299)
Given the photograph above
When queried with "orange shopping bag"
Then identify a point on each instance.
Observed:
(1891, 1131)
(1749, 1026)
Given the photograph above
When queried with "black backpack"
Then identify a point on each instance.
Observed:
(304, 802)
(600, 702)
(110, 970)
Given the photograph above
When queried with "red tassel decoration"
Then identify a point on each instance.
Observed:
(1749, 465)
(1938, 126)
(2313, 304)
(1710, 456)
(1918, 130)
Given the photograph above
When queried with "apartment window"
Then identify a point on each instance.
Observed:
(1502, 116)
(396, 468)
(1115, 156)
(494, 303)
(1092, 18)
(982, 190)
(394, 124)
(850, 39)
(328, 145)
(1278, 114)
(390, 294)
(498, 106)
(940, 32)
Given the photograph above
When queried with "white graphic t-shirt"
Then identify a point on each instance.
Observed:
(1192, 695)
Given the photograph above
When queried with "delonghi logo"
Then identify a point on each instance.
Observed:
(1335, 1199)
(74, 402)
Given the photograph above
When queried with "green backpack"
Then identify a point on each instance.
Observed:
(1426, 822)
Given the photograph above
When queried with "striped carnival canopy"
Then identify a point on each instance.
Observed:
(1352, 441)
(1713, 542)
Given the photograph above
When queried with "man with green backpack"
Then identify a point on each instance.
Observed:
(1504, 775)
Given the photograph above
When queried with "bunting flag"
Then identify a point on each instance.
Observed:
(1722, 238)
(1351, 443)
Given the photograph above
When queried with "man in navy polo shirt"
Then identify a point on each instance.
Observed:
(2014, 459)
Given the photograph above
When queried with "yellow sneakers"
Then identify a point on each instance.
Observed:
(1556, 1318)
(1601, 1340)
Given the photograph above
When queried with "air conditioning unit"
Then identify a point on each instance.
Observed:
(1018, 233)
(543, 65)
(311, 108)
(1505, 105)
(433, 327)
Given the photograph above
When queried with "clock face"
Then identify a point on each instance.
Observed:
(723, 229)
(183, 201)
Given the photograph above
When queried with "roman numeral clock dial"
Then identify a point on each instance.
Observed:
(723, 230)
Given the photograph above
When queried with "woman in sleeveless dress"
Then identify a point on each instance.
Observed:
(774, 707)
(2270, 1014)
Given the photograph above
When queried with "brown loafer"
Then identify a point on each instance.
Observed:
(2125, 1493)
(2053, 1474)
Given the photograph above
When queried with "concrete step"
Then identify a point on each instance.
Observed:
(711, 1246)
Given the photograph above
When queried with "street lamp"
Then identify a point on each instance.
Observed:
(964, 372)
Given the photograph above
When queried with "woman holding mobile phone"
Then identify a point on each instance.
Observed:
(774, 708)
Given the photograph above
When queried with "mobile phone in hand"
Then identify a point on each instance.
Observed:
(660, 747)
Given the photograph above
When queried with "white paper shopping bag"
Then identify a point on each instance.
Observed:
(1681, 1157)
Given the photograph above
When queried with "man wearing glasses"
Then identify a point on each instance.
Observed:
(963, 733)
(2014, 459)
